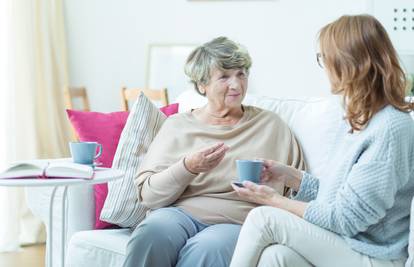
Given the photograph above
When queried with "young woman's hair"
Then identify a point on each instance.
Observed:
(363, 66)
(221, 53)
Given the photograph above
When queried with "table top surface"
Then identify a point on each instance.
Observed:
(102, 175)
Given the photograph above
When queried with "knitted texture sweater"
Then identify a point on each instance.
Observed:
(366, 194)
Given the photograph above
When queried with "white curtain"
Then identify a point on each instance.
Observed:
(33, 70)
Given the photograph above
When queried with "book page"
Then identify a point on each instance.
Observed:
(27, 165)
(69, 170)
(24, 169)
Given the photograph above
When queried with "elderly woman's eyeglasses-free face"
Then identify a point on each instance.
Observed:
(227, 86)
(319, 59)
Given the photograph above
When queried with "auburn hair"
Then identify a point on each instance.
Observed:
(363, 66)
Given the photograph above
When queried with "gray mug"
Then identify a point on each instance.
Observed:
(85, 152)
(249, 170)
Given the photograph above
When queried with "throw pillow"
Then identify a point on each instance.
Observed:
(104, 128)
(121, 206)
(170, 109)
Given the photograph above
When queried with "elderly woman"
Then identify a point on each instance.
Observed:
(359, 215)
(186, 176)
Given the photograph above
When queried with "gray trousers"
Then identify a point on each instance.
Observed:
(171, 237)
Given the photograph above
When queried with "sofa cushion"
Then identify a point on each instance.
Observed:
(121, 206)
(314, 121)
(98, 248)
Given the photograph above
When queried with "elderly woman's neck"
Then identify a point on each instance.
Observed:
(219, 116)
(223, 112)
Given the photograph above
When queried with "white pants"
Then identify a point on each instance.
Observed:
(275, 237)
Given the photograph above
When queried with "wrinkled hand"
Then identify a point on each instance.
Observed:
(260, 194)
(205, 159)
(274, 172)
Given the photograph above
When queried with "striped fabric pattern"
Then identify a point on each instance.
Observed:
(121, 205)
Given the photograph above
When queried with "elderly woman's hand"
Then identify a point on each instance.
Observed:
(260, 194)
(205, 159)
(275, 172)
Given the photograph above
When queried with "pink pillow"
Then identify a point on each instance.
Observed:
(170, 109)
(104, 128)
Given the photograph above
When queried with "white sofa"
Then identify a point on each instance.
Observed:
(314, 121)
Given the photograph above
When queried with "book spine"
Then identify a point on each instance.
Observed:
(43, 176)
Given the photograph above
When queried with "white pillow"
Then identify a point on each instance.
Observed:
(121, 206)
(314, 122)
(190, 99)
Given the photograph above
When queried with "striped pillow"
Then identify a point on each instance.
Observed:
(121, 206)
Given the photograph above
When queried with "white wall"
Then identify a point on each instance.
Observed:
(107, 40)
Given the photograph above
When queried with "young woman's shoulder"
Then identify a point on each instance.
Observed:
(394, 122)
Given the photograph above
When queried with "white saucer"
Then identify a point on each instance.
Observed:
(236, 180)
(95, 164)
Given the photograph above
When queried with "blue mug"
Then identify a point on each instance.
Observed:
(249, 170)
(85, 152)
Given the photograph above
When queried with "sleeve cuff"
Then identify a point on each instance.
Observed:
(308, 189)
(180, 174)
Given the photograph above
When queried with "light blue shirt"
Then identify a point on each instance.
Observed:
(366, 194)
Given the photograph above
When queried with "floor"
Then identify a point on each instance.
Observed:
(33, 256)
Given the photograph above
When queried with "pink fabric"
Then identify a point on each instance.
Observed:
(170, 109)
(104, 128)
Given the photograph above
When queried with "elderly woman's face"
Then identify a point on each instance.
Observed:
(226, 88)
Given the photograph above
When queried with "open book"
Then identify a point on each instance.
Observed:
(45, 169)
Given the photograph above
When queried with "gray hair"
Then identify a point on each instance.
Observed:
(221, 53)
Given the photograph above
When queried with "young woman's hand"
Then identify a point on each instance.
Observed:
(205, 159)
(275, 173)
(259, 194)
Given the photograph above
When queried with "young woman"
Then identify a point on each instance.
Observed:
(359, 215)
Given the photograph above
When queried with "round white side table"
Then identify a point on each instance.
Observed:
(102, 175)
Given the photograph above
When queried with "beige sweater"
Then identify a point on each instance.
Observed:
(162, 179)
